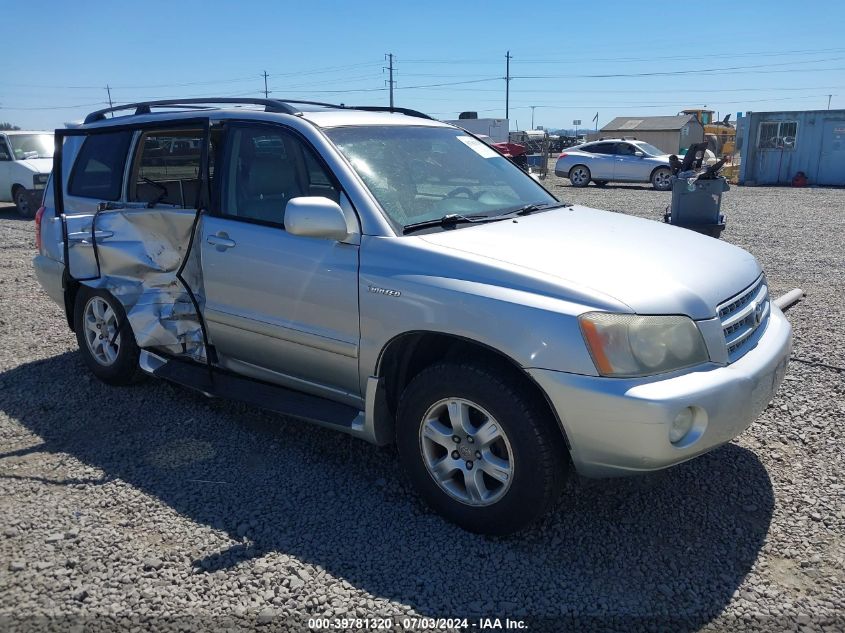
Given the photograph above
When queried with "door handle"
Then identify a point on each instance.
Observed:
(85, 236)
(220, 241)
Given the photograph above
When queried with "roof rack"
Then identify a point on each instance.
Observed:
(405, 111)
(284, 106)
(145, 107)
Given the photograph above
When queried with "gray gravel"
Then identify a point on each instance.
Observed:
(151, 508)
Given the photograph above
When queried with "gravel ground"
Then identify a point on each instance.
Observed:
(151, 508)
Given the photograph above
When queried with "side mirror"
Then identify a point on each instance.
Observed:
(315, 216)
(639, 154)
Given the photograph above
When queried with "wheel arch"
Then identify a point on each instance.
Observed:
(407, 354)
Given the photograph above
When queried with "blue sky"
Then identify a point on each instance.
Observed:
(450, 56)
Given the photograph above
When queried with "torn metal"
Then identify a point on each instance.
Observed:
(139, 255)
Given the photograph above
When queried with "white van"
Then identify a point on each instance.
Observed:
(26, 159)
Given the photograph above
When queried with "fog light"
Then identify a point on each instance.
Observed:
(681, 425)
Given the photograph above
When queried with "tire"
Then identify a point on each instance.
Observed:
(114, 364)
(661, 179)
(600, 183)
(23, 204)
(579, 176)
(523, 448)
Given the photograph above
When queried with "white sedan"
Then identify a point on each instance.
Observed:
(615, 160)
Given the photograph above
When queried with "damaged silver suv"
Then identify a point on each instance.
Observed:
(393, 277)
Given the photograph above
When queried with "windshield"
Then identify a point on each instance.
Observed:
(26, 146)
(425, 173)
(651, 149)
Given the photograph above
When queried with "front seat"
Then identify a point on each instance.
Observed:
(270, 183)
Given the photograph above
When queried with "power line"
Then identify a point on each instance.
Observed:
(316, 71)
(694, 71)
(592, 60)
(64, 107)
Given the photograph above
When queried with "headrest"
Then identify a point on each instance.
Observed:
(268, 176)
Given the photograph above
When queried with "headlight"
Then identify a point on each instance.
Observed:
(624, 345)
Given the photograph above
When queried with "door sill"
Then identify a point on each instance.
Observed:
(219, 383)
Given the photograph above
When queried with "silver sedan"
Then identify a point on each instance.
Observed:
(615, 160)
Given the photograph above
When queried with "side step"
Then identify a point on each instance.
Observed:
(223, 384)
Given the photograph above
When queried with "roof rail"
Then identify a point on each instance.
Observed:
(285, 106)
(405, 111)
(145, 107)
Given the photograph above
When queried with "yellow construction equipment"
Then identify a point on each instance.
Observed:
(720, 135)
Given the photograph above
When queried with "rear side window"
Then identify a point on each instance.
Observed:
(600, 148)
(98, 171)
(167, 168)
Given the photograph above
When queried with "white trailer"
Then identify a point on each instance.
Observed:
(496, 129)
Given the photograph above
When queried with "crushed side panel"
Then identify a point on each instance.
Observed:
(140, 253)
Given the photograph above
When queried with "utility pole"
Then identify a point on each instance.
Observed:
(532, 116)
(108, 91)
(390, 81)
(266, 92)
(828, 101)
(508, 84)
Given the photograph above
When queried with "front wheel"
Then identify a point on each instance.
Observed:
(661, 179)
(479, 448)
(23, 204)
(579, 176)
(105, 338)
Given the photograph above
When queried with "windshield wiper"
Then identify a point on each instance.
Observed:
(531, 208)
(450, 219)
(455, 218)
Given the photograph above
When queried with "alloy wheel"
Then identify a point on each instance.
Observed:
(101, 331)
(662, 179)
(579, 176)
(466, 451)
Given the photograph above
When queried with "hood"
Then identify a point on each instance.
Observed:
(652, 267)
(38, 165)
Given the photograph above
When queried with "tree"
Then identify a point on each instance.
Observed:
(8, 126)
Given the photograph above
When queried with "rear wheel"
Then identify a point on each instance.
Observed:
(579, 176)
(479, 449)
(661, 179)
(23, 204)
(105, 339)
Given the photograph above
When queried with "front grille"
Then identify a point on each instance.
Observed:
(743, 318)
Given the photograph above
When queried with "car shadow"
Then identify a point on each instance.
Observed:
(670, 547)
(10, 212)
(609, 185)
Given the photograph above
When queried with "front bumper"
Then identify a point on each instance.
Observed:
(618, 427)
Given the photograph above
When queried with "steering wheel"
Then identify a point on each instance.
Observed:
(457, 191)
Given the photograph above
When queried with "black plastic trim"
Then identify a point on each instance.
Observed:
(261, 394)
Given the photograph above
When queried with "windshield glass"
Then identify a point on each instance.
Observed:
(425, 173)
(650, 149)
(26, 146)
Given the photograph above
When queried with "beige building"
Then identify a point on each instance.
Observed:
(672, 134)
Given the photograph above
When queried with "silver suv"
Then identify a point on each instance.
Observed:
(393, 277)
